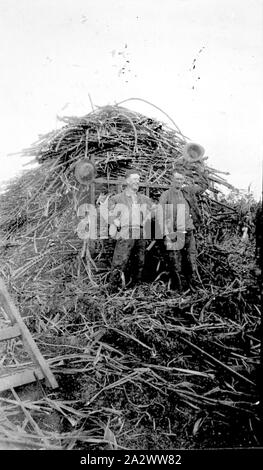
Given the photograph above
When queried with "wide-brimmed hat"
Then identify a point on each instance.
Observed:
(85, 171)
(193, 146)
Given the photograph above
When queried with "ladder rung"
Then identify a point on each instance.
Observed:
(19, 378)
(27, 339)
(10, 332)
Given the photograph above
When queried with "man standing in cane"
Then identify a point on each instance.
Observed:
(178, 215)
(128, 212)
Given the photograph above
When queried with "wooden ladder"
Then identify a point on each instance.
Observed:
(40, 368)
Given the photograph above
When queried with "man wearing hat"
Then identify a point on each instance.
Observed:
(128, 214)
(178, 215)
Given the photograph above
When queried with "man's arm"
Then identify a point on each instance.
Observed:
(113, 200)
(112, 203)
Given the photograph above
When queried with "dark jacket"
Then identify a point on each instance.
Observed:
(190, 196)
(190, 193)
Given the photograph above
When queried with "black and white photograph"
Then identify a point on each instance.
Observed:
(131, 231)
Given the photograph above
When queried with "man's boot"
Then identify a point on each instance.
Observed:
(175, 283)
(115, 281)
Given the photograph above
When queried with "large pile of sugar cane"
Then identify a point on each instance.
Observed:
(41, 207)
(143, 368)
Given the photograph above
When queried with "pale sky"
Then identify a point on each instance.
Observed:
(201, 61)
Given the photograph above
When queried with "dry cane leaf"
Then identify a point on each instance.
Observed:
(110, 437)
(197, 425)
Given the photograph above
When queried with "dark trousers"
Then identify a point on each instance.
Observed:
(124, 249)
(183, 261)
